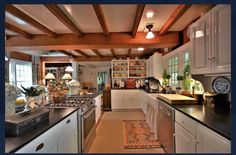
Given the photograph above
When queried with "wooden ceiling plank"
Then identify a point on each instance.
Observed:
(101, 18)
(92, 41)
(21, 15)
(137, 20)
(81, 53)
(113, 52)
(129, 51)
(54, 9)
(97, 52)
(67, 53)
(175, 16)
(18, 30)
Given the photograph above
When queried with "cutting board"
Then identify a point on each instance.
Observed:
(177, 99)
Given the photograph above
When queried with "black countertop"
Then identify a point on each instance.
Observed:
(13, 143)
(218, 120)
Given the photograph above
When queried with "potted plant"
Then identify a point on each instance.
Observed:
(166, 78)
(186, 81)
(179, 79)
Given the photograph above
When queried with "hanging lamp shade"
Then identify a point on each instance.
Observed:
(50, 76)
(69, 69)
(66, 76)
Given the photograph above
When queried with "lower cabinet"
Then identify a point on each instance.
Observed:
(211, 142)
(192, 137)
(184, 141)
(98, 103)
(125, 99)
(62, 138)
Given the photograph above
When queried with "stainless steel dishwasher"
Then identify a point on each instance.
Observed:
(166, 127)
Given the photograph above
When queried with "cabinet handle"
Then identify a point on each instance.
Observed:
(196, 142)
(213, 58)
(68, 121)
(39, 147)
(209, 59)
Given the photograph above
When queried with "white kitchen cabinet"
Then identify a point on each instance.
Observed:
(211, 142)
(125, 99)
(221, 47)
(143, 101)
(117, 99)
(66, 134)
(210, 39)
(45, 143)
(155, 65)
(98, 103)
(184, 141)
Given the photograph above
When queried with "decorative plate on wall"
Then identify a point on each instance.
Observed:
(221, 85)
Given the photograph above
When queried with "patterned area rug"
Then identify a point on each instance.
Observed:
(137, 135)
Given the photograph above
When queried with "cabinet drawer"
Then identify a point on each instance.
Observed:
(42, 144)
(69, 123)
(186, 122)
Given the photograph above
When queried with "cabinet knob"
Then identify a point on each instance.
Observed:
(213, 58)
(68, 121)
(39, 147)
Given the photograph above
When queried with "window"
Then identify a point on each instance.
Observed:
(173, 71)
(186, 59)
(20, 73)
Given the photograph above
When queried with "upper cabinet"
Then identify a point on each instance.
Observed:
(155, 65)
(210, 39)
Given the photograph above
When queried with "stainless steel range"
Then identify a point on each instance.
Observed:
(86, 117)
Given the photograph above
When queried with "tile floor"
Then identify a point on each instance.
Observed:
(109, 134)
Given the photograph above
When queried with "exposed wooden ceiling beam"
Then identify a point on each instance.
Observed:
(81, 53)
(113, 52)
(54, 9)
(129, 51)
(67, 53)
(82, 58)
(97, 52)
(179, 11)
(18, 30)
(92, 41)
(21, 15)
(101, 18)
(138, 17)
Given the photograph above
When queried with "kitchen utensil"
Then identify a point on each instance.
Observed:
(221, 85)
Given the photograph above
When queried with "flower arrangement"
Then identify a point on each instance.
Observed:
(33, 91)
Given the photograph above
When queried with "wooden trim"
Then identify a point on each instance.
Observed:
(20, 56)
(67, 53)
(55, 59)
(98, 10)
(129, 51)
(179, 11)
(81, 53)
(97, 52)
(113, 52)
(137, 20)
(18, 30)
(92, 41)
(16, 12)
(54, 9)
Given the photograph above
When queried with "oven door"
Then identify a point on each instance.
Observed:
(88, 126)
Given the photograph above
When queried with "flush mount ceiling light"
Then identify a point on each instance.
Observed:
(149, 14)
(150, 34)
(140, 49)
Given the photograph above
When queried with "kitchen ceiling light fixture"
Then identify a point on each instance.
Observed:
(140, 49)
(66, 76)
(69, 69)
(149, 14)
(150, 34)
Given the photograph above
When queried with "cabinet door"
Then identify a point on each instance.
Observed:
(184, 141)
(66, 133)
(221, 58)
(98, 107)
(117, 99)
(200, 43)
(45, 143)
(131, 99)
(210, 142)
(143, 101)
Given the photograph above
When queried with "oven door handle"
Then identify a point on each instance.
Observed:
(88, 113)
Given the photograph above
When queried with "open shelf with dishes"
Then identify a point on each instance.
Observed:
(129, 68)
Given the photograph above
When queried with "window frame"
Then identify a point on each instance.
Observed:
(173, 69)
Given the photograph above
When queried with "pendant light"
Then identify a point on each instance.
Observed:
(150, 34)
(69, 69)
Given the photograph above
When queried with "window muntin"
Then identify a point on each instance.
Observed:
(173, 71)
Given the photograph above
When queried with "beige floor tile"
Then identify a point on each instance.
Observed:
(109, 134)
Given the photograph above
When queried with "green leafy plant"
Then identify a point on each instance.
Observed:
(186, 81)
(33, 91)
